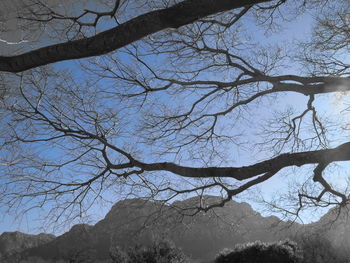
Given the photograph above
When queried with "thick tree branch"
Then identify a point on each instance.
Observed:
(340, 153)
(135, 29)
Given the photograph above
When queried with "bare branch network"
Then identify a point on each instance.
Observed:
(141, 26)
(182, 87)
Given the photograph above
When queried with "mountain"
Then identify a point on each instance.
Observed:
(15, 242)
(328, 239)
(201, 236)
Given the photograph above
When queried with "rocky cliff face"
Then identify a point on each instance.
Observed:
(15, 242)
(138, 221)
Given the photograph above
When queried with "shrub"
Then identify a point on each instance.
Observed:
(162, 251)
(259, 252)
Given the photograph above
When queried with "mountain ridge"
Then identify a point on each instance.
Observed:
(140, 221)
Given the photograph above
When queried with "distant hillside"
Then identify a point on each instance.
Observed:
(138, 221)
(329, 237)
(15, 242)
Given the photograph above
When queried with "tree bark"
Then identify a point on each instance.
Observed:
(135, 29)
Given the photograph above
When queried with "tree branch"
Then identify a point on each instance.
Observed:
(180, 14)
(340, 153)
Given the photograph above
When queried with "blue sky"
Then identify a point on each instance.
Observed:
(297, 29)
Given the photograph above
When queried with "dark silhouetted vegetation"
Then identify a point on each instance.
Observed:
(163, 251)
(259, 252)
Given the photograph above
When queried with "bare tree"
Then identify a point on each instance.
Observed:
(121, 35)
(161, 117)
